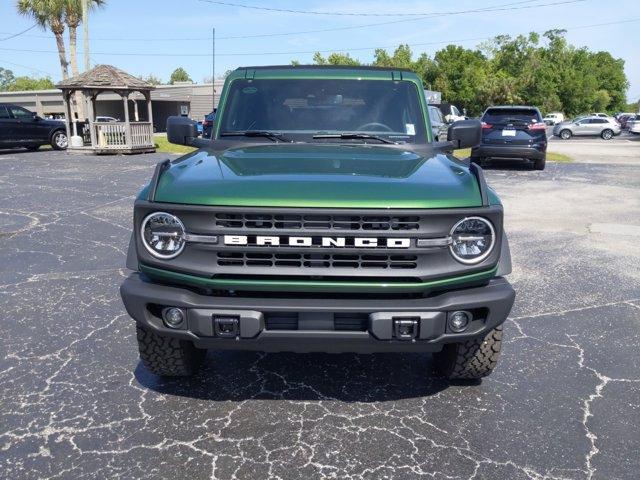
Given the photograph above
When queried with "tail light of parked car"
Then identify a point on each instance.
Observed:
(486, 126)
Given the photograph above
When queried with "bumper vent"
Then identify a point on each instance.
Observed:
(316, 260)
(316, 222)
(351, 322)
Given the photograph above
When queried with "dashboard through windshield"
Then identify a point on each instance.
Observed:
(302, 108)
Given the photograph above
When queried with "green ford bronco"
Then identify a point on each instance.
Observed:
(320, 217)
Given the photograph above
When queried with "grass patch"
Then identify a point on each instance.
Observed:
(558, 157)
(163, 146)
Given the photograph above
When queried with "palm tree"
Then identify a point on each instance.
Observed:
(73, 18)
(48, 13)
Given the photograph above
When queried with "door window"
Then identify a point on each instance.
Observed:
(3, 112)
(20, 113)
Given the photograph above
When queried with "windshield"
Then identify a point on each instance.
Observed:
(301, 108)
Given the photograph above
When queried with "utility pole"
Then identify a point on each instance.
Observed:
(213, 68)
(85, 33)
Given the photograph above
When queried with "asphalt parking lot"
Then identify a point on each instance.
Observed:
(563, 403)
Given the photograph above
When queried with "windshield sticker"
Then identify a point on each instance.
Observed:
(410, 128)
(249, 90)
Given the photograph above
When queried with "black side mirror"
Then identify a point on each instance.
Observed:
(184, 131)
(465, 133)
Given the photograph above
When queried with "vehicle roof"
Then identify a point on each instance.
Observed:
(512, 107)
(325, 71)
(324, 67)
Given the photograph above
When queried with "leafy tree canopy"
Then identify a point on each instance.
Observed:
(10, 83)
(544, 71)
(179, 75)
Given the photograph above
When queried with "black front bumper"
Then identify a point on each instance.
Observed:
(143, 300)
(509, 151)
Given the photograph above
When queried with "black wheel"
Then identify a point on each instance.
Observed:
(33, 148)
(166, 356)
(59, 140)
(539, 164)
(565, 134)
(473, 359)
(607, 134)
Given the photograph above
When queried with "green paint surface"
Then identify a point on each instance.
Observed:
(313, 286)
(319, 175)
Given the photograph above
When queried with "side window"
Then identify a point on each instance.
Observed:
(3, 112)
(20, 113)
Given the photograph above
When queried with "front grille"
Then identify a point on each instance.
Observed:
(265, 221)
(352, 322)
(316, 260)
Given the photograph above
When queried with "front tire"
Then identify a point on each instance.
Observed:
(607, 134)
(565, 134)
(471, 359)
(59, 140)
(167, 356)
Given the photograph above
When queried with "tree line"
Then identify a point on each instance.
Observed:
(546, 72)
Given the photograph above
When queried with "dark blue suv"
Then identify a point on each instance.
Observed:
(207, 125)
(510, 132)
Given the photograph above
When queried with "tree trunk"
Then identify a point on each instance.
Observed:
(79, 101)
(61, 52)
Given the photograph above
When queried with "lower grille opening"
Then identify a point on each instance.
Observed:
(351, 322)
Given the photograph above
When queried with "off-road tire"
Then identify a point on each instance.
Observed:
(167, 356)
(565, 134)
(539, 164)
(472, 359)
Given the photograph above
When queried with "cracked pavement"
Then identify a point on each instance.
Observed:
(563, 403)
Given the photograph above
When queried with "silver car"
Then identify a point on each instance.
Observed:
(438, 125)
(605, 127)
(633, 124)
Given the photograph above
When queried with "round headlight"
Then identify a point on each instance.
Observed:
(163, 235)
(472, 240)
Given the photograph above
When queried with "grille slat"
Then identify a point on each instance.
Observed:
(265, 221)
(354, 322)
(310, 260)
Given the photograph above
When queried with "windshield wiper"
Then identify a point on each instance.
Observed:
(275, 136)
(347, 136)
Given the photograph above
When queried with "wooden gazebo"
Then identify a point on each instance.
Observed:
(108, 137)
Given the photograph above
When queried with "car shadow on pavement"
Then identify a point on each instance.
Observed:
(237, 376)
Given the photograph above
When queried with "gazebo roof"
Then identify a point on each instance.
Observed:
(105, 77)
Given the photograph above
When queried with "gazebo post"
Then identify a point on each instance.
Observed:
(147, 96)
(91, 116)
(127, 123)
(67, 112)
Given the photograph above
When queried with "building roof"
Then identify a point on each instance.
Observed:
(105, 77)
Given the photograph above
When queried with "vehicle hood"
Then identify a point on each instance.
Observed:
(320, 175)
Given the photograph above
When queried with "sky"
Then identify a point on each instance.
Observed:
(155, 36)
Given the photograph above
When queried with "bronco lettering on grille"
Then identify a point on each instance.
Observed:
(333, 242)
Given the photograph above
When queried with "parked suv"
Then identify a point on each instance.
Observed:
(605, 127)
(553, 118)
(207, 125)
(21, 128)
(439, 127)
(633, 124)
(512, 132)
(320, 217)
